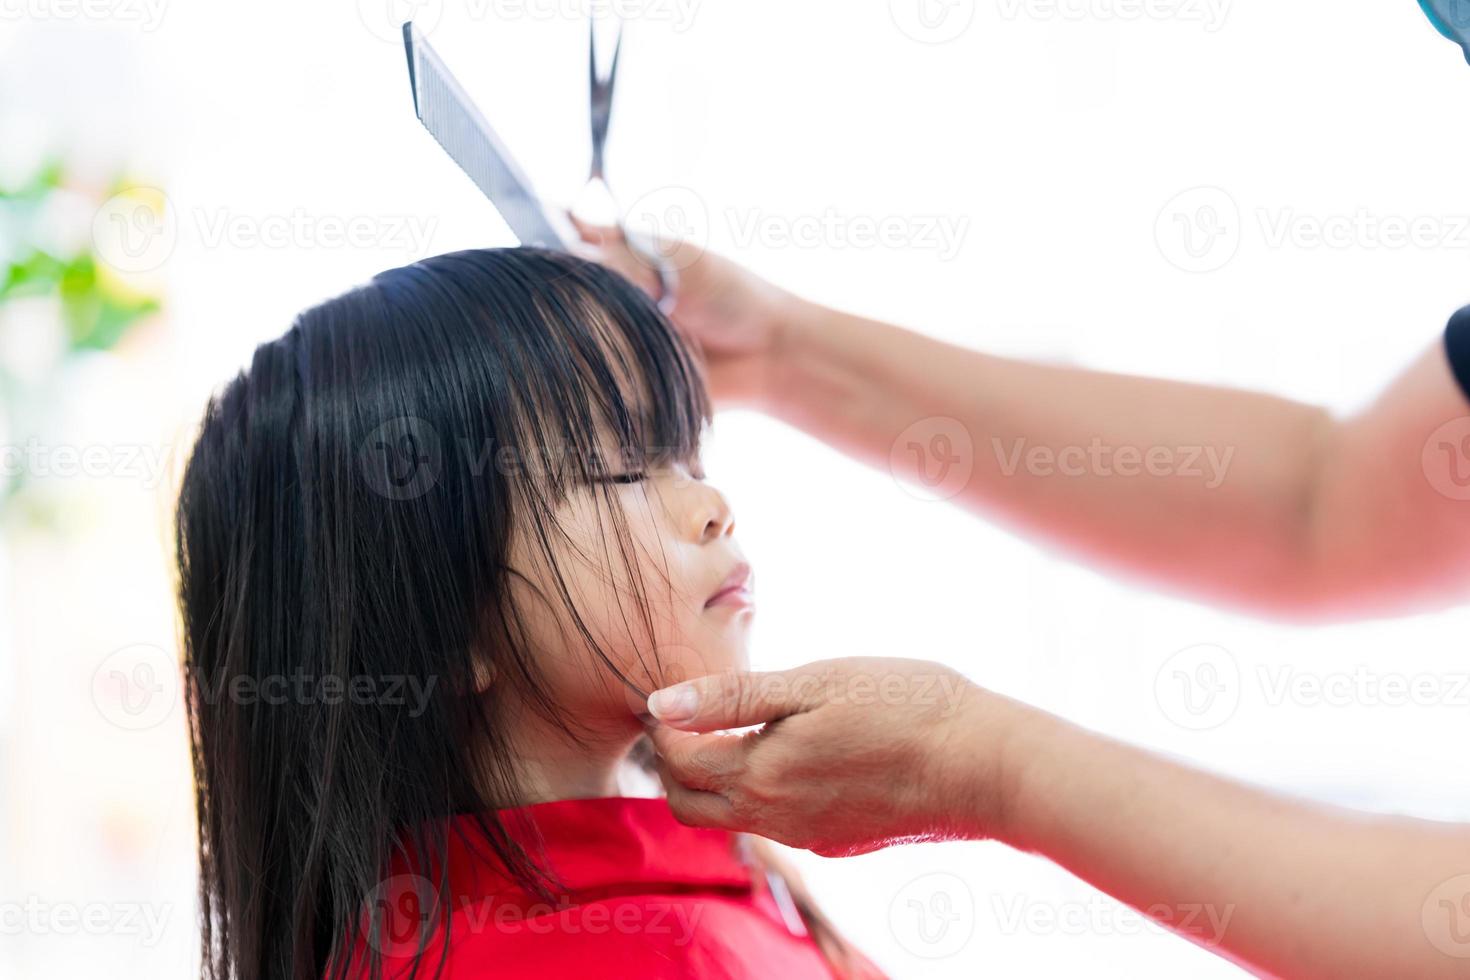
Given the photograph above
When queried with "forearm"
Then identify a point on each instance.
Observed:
(1286, 887)
(1145, 475)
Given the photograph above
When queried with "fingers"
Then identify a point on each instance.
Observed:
(728, 700)
(594, 234)
(685, 779)
(700, 809)
(607, 246)
(699, 762)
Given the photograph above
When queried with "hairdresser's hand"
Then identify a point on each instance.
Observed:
(856, 754)
(734, 316)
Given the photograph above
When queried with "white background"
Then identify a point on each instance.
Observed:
(1057, 137)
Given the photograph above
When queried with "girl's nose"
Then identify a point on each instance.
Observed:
(712, 518)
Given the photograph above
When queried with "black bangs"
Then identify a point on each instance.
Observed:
(585, 374)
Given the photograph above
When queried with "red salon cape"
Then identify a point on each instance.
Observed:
(641, 895)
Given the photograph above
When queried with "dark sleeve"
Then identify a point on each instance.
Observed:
(1457, 347)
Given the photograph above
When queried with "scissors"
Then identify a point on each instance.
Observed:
(447, 111)
(596, 202)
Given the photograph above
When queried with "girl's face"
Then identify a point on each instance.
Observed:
(668, 598)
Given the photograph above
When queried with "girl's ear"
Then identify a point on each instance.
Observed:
(484, 674)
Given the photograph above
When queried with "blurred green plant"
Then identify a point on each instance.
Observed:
(97, 310)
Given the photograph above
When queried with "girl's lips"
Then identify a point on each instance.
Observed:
(735, 590)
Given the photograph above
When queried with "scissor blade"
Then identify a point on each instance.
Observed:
(448, 113)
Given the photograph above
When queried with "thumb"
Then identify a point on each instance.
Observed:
(727, 700)
(593, 234)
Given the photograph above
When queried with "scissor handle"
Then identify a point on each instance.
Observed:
(600, 88)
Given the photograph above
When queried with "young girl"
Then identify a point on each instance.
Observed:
(435, 546)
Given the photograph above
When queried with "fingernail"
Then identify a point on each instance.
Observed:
(676, 703)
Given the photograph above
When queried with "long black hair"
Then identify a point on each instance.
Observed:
(343, 529)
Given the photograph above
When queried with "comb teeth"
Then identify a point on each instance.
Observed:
(450, 116)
